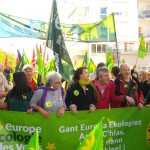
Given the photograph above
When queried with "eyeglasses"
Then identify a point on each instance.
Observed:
(58, 82)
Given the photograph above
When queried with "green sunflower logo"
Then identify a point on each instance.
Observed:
(125, 85)
(76, 92)
(48, 104)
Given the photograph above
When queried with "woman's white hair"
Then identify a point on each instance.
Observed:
(52, 76)
(25, 67)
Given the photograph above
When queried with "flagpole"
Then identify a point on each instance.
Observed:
(136, 59)
(116, 41)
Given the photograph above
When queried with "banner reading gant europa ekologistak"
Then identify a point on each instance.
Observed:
(123, 129)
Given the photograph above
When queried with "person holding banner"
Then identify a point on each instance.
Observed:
(18, 98)
(125, 91)
(4, 87)
(104, 87)
(82, 94)
(51, 97)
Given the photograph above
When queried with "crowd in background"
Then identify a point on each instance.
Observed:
(122, 87)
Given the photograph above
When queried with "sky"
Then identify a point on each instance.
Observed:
(33, 9)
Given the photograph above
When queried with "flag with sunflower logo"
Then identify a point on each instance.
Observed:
(142, 48)
(94, 141)
(33, 143)
(109, 61)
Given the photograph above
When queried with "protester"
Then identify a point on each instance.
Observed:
(114, 72)
(143, 79)
(51, 97)
(4, 88)
(18, 98)
(149, 76)
(29, 71)
(7, 73)
(82, 95)
(104, 87)
(125, 92)
(93, 75)
(134, 71)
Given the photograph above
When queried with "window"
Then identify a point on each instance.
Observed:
(93, 48)
(121, 14)
(120, 9)
(98, 48)
(103, 13)
(147, 11)
(144, 68)
(148, 46)
(130, 46)
(103, 48)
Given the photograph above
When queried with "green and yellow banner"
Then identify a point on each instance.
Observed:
(123, 129)
(101, 31)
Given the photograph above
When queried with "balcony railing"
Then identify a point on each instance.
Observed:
(144, 14)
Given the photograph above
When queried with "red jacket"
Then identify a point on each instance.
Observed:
(103, 100)
(117, 100)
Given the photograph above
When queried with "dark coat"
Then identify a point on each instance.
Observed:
(82, 99)
(118, 100)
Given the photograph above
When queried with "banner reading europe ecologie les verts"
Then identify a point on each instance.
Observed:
(124, 129)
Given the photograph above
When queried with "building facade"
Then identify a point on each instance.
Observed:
(132, 17)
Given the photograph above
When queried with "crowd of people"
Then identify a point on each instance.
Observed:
(122, 87)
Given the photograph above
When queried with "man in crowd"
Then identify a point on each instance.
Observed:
(125, 91)
(103, 86)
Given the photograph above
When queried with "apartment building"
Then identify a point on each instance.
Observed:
(132, 17)
(144, 27)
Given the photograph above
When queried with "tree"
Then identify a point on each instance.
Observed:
(11, 58)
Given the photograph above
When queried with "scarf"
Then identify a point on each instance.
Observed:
(117, 82)
(82, 83)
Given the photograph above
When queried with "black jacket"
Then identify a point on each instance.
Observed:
(77, 96)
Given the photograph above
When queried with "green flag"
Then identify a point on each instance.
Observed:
(33, 143)
(19, 55)
(25, 58)
(101, 31)
(19, 65)
(142, 48)
(39, 61)
(40, 66)
(85, 61)
(94, 141)
(51, 65)
(91, 66)
(109, 61)
(57, 44)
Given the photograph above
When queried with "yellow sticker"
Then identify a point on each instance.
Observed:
(60, 99)
(48, 104)
(76, 92)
